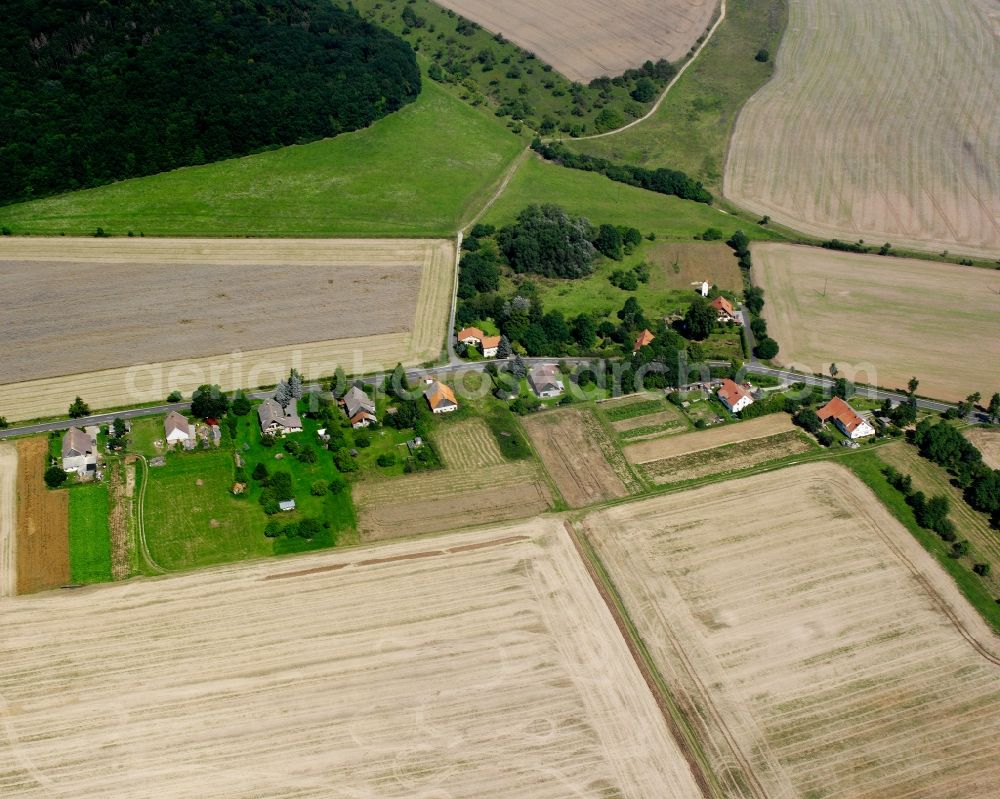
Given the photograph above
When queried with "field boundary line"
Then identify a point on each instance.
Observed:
(666, 89)
(679, 727)
(935, 596)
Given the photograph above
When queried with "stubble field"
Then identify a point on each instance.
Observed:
(42, 531)
(817, 649)
(879, 124)
(482, 491)
(988, 441)
(888, 318)
(8, 519)
(586, 40)
(584, 462)
(239, 313)
(480, 665)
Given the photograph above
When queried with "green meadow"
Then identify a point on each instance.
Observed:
(417, 172)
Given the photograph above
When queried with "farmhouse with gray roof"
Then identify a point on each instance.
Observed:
(359, 407)
(79, 452)
(275, 420)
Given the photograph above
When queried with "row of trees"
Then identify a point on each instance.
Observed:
(662, 181)
(92, 92)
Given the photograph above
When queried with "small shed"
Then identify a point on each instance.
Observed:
(286, 505)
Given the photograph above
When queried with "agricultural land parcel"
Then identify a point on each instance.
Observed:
(853, 139)
(867, 689)
(642, 416)
(581, 457)
(8, 519)
(478, 487)
(42, 539)
(891, 318)
(487, 663)
(987, 440)
(417, 172)
(699, 440)
(690, 130)
(240, 307)
(591, 39)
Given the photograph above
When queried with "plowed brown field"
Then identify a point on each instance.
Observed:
(817, 648)
(42, 522)
(479, 665)
(164, 314)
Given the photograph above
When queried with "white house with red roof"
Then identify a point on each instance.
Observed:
(734, 396)
(848, 421)
(723, 310)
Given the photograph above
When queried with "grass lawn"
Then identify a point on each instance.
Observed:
(145, 431)
(415, 173)
(691, 129)
(89, 538)
(603, 200)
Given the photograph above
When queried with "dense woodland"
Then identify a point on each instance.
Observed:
(92, 92)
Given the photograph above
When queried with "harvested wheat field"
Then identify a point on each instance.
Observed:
(818, 650)
(880, 123)
(447, 499)
(172, 314)
(472, 665)
(8, 519)
(580, 456)
(699, 440)
(883, 319)
(42, 537)
(588, 39)
(727, 459)
(681, 265)
(987, 440)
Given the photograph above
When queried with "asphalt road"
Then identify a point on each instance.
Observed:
(458, 368)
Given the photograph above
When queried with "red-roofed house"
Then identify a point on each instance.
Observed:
(847, 420)
(645, 337)
(472, 336)
(734, 396)
(723, 309)
(490, 346)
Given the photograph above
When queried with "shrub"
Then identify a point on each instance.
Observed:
(386, 459)
(318, 488)
(175, 396)
(766, 348)
(78, 409)
(982, 569)
(763, 56)
(272, 529)
(54, 477)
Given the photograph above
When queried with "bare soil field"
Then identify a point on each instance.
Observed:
(483, 664)
(817, 649)
(852, 139)
(42, 522)
(659, 449)
(679, 265)
(988, 442)
(585, 40)
(8, 519)
(447, 499)
(727, 459)
(468, 445)
(582, 459)
(969, 523)
(886, 319)
(160, 314)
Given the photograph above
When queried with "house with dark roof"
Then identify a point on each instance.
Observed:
(847, 420)
(734, 396)
(79, 452)
(276, 420)
(544, 380)
(359, 407)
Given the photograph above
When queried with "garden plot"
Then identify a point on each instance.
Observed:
(469, 444)
(42, 532)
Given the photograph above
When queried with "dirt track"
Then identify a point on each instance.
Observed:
(469, 665)
(8, 519)
(810, 637)
(585, 40)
